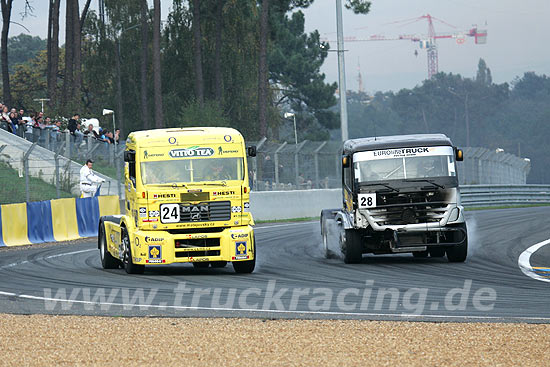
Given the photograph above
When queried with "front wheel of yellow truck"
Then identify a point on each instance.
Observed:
(107, 260)
(129, 265)
(245, 267)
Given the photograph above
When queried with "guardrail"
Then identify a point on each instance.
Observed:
(497, 195)
(270, 205)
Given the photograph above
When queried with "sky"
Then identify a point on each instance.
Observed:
(516, 41)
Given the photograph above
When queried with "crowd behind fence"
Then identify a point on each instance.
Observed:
(55, 158)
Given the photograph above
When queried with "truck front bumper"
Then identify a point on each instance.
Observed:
(162, 247)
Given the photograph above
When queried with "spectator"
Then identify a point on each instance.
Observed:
(74, 129)
(78, 134)
(20, 122)
(6, 118)
(40, 123)
(268, 172)
(303, 183)
(91, 131)
(72, 123)
(117, 135)
(28, 128)
(54, 135)
(110, 137)
(103, 136)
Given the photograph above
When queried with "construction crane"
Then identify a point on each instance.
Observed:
(428, 42)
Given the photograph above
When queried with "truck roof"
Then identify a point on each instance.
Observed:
(395, 141)
(184, 136)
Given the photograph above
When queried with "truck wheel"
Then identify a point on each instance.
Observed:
(324, 235)
(218, 264)
(245, 267)
(107, 260)
(129, 266)
(437, 252)
(351, 246)
(326, 215)
(458, 253)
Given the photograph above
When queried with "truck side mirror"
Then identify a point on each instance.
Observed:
(129, 156)
(459, 155)
(345, 161)
(251, 151)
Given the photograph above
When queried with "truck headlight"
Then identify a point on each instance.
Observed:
(454, 215)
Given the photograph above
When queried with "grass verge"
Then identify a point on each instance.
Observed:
(13, 188)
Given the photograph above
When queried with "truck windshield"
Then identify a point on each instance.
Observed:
(399, 164)
(192, 170)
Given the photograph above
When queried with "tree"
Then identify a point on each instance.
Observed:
(197, 47)
(295, 60)
(6, 16)
(68, 82)
(53, 50)
(73, 51)
(145, 114)
(218, 51)
(77, 39)
(263, 68)
(483, 73)
(159, 122)
(22, 48)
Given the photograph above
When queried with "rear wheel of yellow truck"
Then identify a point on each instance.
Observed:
(127, 261)
(244, 267)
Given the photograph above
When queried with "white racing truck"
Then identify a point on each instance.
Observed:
(400, 195)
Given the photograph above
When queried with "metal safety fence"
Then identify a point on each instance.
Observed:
(317, 165)
(29, 171)
(55, 157)
(503, 195)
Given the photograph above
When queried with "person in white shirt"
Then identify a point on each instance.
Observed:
(89, 181)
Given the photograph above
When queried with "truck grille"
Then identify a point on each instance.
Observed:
(410, 214)
(410, 208)
(205, 211)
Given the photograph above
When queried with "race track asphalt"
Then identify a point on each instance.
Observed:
(293, 279)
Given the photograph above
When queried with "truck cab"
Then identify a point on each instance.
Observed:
(400, 195)
(186, 199)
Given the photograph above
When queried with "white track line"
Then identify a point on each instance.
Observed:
(525, 265)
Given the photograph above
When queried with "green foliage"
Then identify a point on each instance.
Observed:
(295, 59)
(358, 6)
(192, 114)
(23, 48)
(28, 81)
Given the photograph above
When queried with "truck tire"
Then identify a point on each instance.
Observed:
(246, 267)
(324, 234)
(107, 260)
(127, 261)
(458, 253)
(351, 246)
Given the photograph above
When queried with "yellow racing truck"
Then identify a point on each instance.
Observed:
(187, 201)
